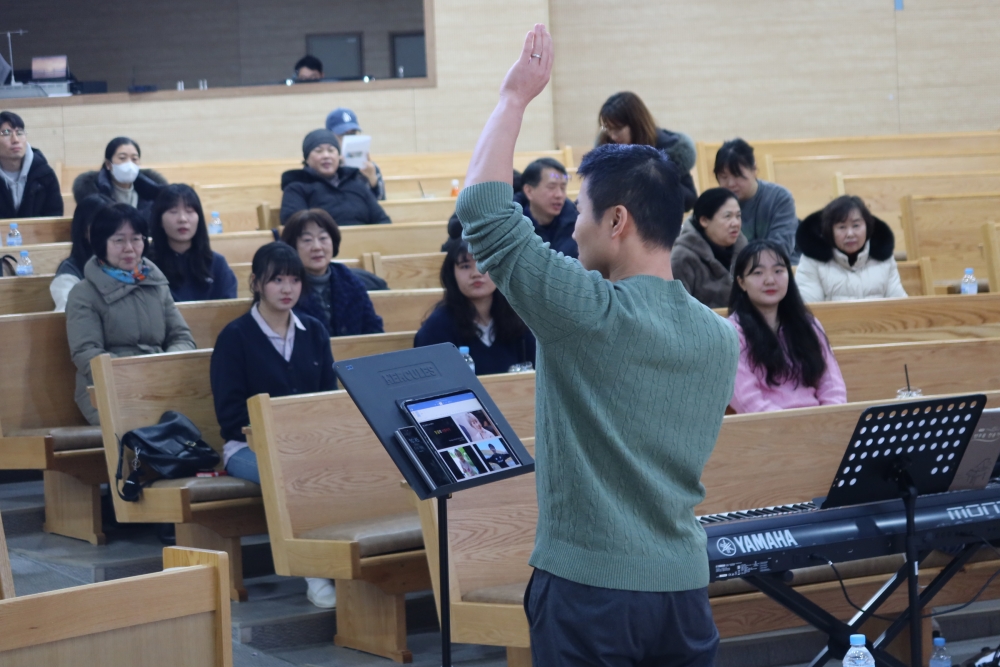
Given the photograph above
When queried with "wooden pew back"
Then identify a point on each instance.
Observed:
(438, 209)
(405, 310)
(420, 271)
(25, 294)
(948, 229)
(896, 144)
(182, 612)
(812, 180)
(35, 231)
(350, 347)
(394, 239)
(991, 246)
(45, 257)
(6, 576)
(917, 277)
(883, 192)
(237, 203)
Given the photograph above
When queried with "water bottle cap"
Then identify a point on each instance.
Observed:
(463, 350)
(24, 253)
(215, 214)
(454, 182)
(969, 271)
(939, 641)
(13, 225)
(858, 640)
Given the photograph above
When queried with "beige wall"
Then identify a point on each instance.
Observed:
(714, 69)
(227, 42)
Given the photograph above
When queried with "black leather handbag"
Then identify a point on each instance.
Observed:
(171, 449)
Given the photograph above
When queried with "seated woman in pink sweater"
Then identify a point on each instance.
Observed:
(785, 358)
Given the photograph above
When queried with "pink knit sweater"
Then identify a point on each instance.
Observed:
(753, 394)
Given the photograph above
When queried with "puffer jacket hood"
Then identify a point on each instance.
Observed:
(678, 146)
(112, 290)
(810, 240)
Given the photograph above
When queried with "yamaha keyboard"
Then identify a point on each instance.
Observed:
(777, 539)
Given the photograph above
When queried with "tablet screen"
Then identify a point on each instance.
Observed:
(463, 433)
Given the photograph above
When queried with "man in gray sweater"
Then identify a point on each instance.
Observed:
(634, 376)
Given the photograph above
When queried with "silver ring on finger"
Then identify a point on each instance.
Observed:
(536, 55)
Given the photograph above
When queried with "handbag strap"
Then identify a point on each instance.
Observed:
(132, 484)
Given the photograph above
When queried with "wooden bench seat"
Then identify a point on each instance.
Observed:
(35, 231)
(334, 508)
(181, 612)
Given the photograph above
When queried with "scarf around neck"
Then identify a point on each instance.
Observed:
(136, 275)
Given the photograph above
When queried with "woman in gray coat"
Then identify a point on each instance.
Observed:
(123, 305)
(703, 254)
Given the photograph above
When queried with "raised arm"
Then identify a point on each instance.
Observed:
(493, 157)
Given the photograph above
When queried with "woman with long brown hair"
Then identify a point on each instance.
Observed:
(624, 119)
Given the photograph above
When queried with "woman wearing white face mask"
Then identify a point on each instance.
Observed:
(120, 178)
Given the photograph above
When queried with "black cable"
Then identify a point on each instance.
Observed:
(844, 589)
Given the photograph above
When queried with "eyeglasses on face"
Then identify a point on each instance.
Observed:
(19, 132)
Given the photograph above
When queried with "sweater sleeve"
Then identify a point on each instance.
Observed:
(179, 336)
(783, 222)
(831, 390)
(894, 288)
(552, 293)
(230, 389)
(60, 287)
(808, 280)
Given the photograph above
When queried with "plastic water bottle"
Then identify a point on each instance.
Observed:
(215, 227)
(13, 236)
(940, 657)
(454, 187)
(464, 351)
(969, 283)
(858, 655)
(24, 267)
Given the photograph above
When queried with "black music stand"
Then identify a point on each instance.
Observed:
(377, 383)
(898, 450)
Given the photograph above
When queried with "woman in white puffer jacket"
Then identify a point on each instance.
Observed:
(847, 254)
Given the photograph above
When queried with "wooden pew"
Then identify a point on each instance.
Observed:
(991, 246)
(349, 347)
(25, 294)
(419, 271)
(405, 310)
(917, 277)
(948, 229)
(37, 230)
(45, 257)
(237, 203)
(394, 239)
(181, 612)
(812, 179)
(312, 451)
(895, 144)
(882, 192)
(209, 512)
(6, 576)
(488, 566)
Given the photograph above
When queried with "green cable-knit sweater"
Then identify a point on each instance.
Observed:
(633, 379)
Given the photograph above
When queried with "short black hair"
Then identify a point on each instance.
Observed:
(114, 144)
(709, 203)
(312, 62)
(532, 174)
(733, 156)
(12, 118)
(108, 221)
(643, 180)
(272, 260)
(83, 217)
(839, 210)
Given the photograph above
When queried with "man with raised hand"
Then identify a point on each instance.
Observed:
(633, 379)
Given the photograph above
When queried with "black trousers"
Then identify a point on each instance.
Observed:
(574, 625)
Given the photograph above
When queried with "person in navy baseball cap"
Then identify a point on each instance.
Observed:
(343, 122)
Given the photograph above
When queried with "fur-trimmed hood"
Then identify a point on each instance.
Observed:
(147, 184)
(678, 146)
(810, 239)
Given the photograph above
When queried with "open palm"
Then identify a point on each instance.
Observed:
(530, 74)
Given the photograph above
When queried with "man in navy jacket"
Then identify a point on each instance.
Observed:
(543, 198)
(28, 186)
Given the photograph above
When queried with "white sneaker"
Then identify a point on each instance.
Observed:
(321, 593)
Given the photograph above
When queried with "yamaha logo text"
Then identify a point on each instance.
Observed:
(755, 542)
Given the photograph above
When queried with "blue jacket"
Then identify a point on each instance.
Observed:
(497, 358)
(558, 233)
(221, 284)
(245, 363)
(351, 311)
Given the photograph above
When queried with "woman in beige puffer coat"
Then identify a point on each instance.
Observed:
(847, 254)
(123, 304)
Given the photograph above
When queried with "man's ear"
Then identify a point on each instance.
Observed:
(619, 221)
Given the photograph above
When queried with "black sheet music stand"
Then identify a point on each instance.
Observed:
(377, 383)
(898, 450)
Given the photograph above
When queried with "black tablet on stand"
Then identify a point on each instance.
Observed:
(441, 429)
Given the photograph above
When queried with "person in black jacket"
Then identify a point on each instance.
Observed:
(181, 248)
(343, 192)
(121, 179)
(543, 200)
(474, 314)
(272, 351)
(624, 119)
(32, 189)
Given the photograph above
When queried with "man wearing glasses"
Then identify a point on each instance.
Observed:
(29, 187)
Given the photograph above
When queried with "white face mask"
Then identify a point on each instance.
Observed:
(126, 172)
